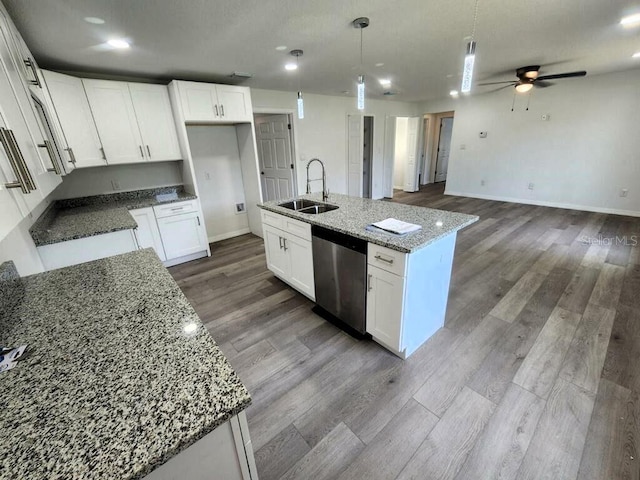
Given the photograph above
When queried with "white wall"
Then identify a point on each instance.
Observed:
(581, 158)
(84, 182)
(216, 162)
(323, 132)
(400, 155)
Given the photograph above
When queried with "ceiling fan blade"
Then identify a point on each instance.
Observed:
(498, 83)
(542, 84)
(562, 75)
(499, 88)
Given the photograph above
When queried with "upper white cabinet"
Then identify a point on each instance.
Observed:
(135, 122)
(73, 112)
(211, 103)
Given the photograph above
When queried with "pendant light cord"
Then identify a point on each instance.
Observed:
(475, 21)
(361, 46)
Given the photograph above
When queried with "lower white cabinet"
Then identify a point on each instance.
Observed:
(182, 235)
(385, 304)
(82, 250)
(289, 253)
(147, 233)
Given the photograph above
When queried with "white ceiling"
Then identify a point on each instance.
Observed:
(420, 42)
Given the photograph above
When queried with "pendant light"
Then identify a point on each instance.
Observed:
(298, 53)
(470, 57)
(360, 23)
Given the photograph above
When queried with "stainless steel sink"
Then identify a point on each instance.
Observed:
(315, 209)
(308, 206)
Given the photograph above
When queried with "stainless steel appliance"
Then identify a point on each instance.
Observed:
(340, 270)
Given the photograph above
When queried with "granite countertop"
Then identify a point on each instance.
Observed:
(356, 213)
(75, 218)
(112, 384)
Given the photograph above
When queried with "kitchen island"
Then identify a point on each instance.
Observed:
(408, 276)
(120, 376)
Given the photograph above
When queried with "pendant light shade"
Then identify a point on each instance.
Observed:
(360, 23)
(467, 73)
(300, 106)
(360, 92)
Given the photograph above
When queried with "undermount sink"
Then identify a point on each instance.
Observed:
(308, 206)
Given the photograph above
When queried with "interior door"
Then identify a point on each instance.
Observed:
(355, 135)
(389, 154)
(273, 138)
(411, 176)
(367, 157)
(444, 147)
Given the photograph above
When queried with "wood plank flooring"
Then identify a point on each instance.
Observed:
(534, 376)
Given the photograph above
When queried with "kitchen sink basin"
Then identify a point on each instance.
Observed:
(315, 209)
(308, 206)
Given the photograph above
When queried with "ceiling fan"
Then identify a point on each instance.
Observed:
(528, 77)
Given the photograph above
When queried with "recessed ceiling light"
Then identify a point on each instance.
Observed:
(453, 93)
(118, 43)
(636, 55)
(94, 20)
(291, 66)
(379, 64)
(385, 82)
(281, 47)
(630, 20)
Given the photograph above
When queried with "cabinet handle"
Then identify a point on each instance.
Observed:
(217, 114)
(198, 218)
(141, 151)
(284, 243)
(104, 157)
(149, 151)
(56, 167)
(13, 144)
(20, 182)
(71, 155)
(176, 209)
(387, 260)
(222, 109)
(32, 65)
(280, 240)
(369, 282)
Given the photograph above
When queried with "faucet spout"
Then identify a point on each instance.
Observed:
(325, 193)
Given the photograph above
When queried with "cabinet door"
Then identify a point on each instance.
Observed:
(385, 299)
(301, 260)
(12, 206)
(182, 235)
(147, 233)
(72, 108)
(277, 257)
(155, 119)
(115, 118)
(234, 103)
(199, 101)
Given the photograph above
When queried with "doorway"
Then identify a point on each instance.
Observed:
(275, 156)
(443, 149)
(367, 157)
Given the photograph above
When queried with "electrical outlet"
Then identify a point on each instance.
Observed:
(624, 192)
(207, 176)
(115, 184)
(463, 146)
(483, 183)
(240, 208)
(531, 185)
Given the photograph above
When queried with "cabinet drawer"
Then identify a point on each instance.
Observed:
(273, 219)
(175, 208)
(297, 228)
(387, 259)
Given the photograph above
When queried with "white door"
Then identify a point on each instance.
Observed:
(155, 119)
(384, 306)
(147, 233)
(301, 260)
(277, 257)
(199, 101)
(115, 118)
(273, 138)
(72, 107)
(182, 235)
(234, 103)
(444, 147)
(414, 125)
(355, 129)
(389, 154)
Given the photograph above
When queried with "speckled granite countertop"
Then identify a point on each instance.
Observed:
(356, 213)
(112, 386)
(8, 271)
(84, 217)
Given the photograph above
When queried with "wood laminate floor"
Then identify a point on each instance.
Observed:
(536, 374)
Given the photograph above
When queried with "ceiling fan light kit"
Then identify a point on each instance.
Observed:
(360, 23)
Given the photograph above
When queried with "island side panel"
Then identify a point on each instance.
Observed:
(427, 291)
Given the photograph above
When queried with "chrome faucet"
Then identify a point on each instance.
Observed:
(325, 192)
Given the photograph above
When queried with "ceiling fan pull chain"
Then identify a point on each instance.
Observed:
(529, 99)
(513, 102)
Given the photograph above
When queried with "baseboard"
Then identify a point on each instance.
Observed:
(542, 203)
(224, 236)
(186, 258)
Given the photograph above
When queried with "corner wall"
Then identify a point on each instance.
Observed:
(581, 158)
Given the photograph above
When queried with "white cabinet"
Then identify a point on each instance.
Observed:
(72, 109)
(385, 303)
(181, 230)
(211, 103)
(289, 252)
(135, 122)
(147, 233)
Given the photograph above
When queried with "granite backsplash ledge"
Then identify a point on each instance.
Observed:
(136, 196)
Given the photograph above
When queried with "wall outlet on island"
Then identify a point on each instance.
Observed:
(531, 186)
(115, 184)
(240, 208)
(624, 192)
(483, 183)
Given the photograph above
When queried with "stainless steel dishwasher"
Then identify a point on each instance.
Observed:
(340, 271)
